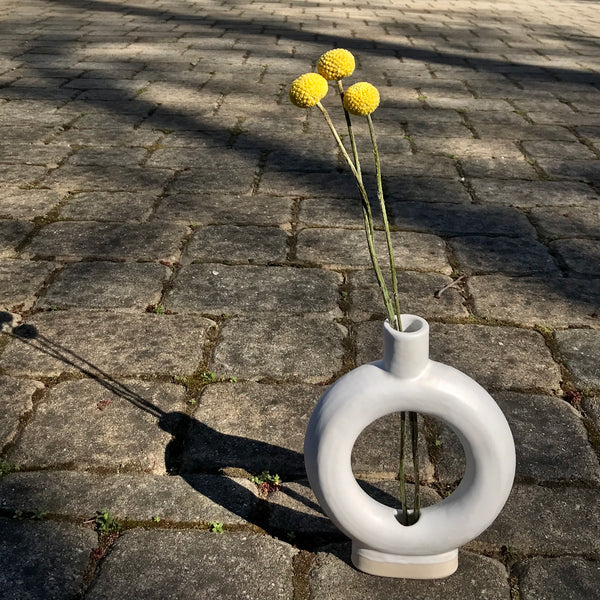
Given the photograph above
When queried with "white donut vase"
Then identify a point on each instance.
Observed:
(407, 380)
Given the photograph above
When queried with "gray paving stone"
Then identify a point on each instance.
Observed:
(548, 301)
(591, 407)
(562, 578)
(217, 289)
(116, 178)
(514, 256)
(451, 219)
(582, 257)
(498, 168)
(477, 577)
(15, 402)
(332, 212)
(116, 343)
(222, 209)
(529, 194)
(424, 189)
(141, 241)
(140, 497)
(416, 292)
(108, 206)
(26, 204)
(307, 185)
(419, 165)
(559, 150)
(12, 233)
(263, 430)
(226, 179)
(43, 560)
(496, 357)
(575, 221)
(582, 170)
(546, 520)
(21, 174)
(580, 349)
(460, 147)
(19, 282)
(195, 565)
(106, 285)
(307, 347)
(87, 425)
(550, 438)
(348, 247)
(246, 244)
(102, 157)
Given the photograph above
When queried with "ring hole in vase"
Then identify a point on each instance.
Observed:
(376, 457)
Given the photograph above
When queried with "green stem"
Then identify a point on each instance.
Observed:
(349, 125)
(415, 455)
(367, 215)
(386, 225)
(401, 472)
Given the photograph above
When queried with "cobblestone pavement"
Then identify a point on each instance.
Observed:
(183, 268)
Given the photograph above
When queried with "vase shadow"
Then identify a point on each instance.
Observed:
(218, 465)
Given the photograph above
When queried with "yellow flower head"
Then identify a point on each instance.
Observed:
(308, 89)
(336, 64)
(361, 99)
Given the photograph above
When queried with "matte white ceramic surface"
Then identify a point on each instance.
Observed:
(407, 380)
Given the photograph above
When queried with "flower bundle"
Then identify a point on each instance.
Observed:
(362, 99)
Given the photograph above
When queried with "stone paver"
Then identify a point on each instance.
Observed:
(20, 280)
(152, 163)
(113, 425)
(534, 193)
(248, 244)
(220, 209)
(106, 285)
(147, 241)
(191, 498)
(579, 349)
(551, 301)
(333, 577)
(43, 560)
(544, 520)
(66, 342)
(514, 256)
(560, 578)
(26, 204)
(347, 247)
(16, 401)
(12, 233)
(309, 348)
(192, 564)
(108, 206)
(217, 289)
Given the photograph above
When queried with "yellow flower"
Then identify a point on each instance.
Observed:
(308, 89)
(361, 99)
(336, 64)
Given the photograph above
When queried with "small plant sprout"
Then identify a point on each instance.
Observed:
(215, 527)
(266, 483)
(105, 523)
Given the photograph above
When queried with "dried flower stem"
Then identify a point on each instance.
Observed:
(386, 225)
(367, 214)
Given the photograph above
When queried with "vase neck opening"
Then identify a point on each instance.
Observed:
(406, 352)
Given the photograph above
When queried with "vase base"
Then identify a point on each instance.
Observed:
(381, 564)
